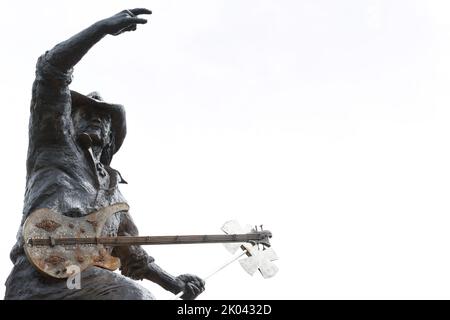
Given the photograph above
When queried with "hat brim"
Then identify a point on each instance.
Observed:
(116, 111)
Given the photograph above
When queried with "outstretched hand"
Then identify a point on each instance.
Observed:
(123, 21)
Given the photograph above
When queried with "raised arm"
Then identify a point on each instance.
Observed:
(67, 54)
(51, 106)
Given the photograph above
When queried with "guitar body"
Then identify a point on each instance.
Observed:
(58, 261)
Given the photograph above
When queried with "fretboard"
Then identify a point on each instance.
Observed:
(151, 240)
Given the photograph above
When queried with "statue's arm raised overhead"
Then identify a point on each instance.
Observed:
(68, 53)
(51, 100)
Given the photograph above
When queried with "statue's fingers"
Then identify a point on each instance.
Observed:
(136, 20)
(199, 283)
(188, 277)
(188, 286)
(198, 290)
(137, 11)
(194, 289)
(200, 286)
(188, 294)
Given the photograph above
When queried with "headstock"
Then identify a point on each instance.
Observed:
(265, 236)
(258, 258)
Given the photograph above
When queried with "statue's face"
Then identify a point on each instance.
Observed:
(96, 124)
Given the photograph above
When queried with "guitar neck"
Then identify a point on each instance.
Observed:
(151, 240)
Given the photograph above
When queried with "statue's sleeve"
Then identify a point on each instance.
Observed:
(134, 260)
(50, 120)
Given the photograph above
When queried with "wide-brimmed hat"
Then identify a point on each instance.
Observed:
(117, 112)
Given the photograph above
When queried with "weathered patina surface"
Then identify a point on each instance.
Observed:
(54, 260)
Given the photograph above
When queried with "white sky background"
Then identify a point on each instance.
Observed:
(326, 121)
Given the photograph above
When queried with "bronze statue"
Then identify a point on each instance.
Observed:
(72, 140)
